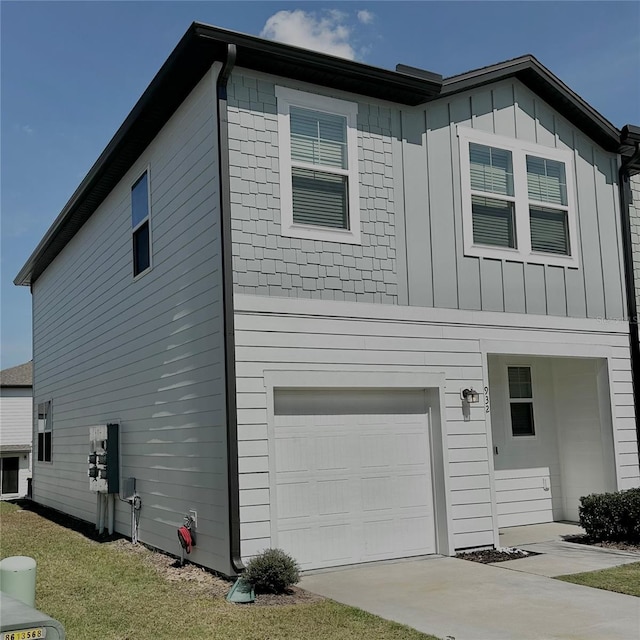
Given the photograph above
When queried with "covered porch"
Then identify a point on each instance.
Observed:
(552, 433)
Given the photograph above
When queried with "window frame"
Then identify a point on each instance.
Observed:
(530, 400)
(519, 149)
(287, 98)
(146, 219)
(48, 428)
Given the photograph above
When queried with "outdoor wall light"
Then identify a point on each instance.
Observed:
(470, 395)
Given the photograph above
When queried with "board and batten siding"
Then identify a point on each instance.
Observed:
(289, 335)
(15, 415)
(146, 353)
(438, 272)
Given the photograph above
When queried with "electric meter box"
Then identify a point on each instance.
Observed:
(104, 472)
(19, 620)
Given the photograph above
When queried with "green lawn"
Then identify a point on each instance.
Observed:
(98, 591)
(622, 579)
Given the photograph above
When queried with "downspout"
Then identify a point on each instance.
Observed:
(632, 307)
(228, 320)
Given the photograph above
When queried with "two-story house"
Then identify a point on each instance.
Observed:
(16, 402)
(355, 313)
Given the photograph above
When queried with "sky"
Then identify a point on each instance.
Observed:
(71, 72)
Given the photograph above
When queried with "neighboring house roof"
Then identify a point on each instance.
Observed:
(10, 448)
(630, 148)
(19, 376)
(203, 44)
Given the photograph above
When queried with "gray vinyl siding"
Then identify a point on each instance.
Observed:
(282, 342)
(440, 275)
(267, 263)
(357, 338)
(147, 353)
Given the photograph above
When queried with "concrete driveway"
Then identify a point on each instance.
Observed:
(452, 598)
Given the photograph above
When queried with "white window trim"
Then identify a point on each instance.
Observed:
(519, 150)
(145, 219)
(291, 97)
(510, 435)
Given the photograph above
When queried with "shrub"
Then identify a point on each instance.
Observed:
(272, 571)
(612, 517)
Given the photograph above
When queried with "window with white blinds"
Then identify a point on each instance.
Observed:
(318, 167)
(517, 200)
(491, 172)
(547, 191)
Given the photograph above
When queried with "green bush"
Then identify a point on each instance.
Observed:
(273, 571)
(612, 517)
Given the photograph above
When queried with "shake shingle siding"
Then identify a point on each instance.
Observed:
(266, 262)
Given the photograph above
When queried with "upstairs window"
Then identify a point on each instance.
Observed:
(45, 430)
(318, 167)
(548, 206)
(517, 200)
(521, 401)
(140, 225)
(492, 196)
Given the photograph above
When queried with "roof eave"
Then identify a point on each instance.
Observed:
(198, 49)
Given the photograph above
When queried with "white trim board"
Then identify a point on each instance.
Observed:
(344, 379)
(552, 349)
(366, 311)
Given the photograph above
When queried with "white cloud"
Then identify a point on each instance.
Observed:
(327, 32)
(24, 128)
(366, 17)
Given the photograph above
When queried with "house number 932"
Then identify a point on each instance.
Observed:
(486, 399)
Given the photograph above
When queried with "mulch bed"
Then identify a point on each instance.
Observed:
(585, 539)
(200, 581)
(489, 556)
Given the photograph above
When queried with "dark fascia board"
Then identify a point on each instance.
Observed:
(198, 49)
(296, 63)
(541, 81)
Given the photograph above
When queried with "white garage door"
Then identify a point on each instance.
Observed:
(353, 476)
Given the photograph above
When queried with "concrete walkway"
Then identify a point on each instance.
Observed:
(557, 557)
(453, 598)
(533, 533)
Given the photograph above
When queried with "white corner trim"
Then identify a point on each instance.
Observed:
(291, 97)
(519, 149)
